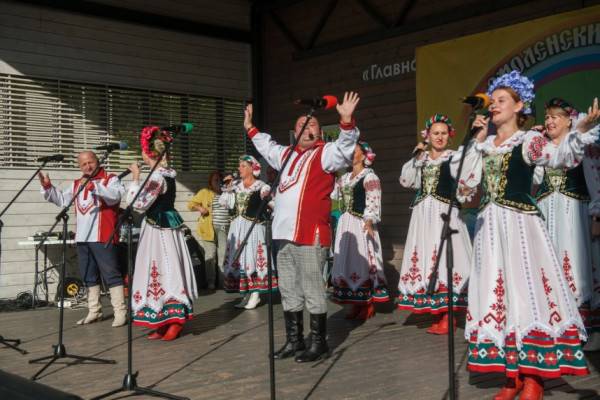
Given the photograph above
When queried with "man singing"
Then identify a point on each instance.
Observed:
(301, 221)
(96, 209)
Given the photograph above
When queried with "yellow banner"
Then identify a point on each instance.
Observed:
(560, 53)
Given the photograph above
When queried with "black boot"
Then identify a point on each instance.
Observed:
(294, 327)
(318, 345)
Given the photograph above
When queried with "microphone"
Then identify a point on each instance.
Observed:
(184, 127)
(477, 101)
(127, 172)
(416, 152)
(113, 146)
(54, 157)
(325, 102)
(485, 112)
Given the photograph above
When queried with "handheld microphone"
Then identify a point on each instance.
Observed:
(54, 157)
(416, 152)
(184, 127)
(325, 102)
(113, 146)
(127, 172)
(477, 101)
(485, 112)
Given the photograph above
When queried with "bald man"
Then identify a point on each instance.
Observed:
(96, 209)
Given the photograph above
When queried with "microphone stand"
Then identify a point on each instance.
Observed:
(130, 379)
(14, 343)
(268, 242)
(59, 349)
(446, 238)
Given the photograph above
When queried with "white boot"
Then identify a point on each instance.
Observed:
(243, 302)
(253, 301)
(94, 307)
(117, 299)
(593, 343)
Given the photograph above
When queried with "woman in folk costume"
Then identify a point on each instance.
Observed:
(164, 287)
(563, 199)
(433, 174)
(357, 274)
(248, 274)
(522, 318)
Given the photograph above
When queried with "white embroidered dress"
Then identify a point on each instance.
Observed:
(566, 212)
(164, 286)
(249, 273)
(357, 273)
(423, 239)
(522, 316)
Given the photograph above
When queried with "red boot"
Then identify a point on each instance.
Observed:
(366, 312)
(159, 333)
(434, 325)
(442, 328)
(354, 311)
(533, 388)
(173, 332)
(510, 390)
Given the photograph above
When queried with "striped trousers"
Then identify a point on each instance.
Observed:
(300, 273)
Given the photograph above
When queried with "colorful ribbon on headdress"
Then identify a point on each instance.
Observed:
(557, 102)
(368, 151)
(253, 162)
(438, 118)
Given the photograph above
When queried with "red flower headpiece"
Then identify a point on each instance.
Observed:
(148, 137)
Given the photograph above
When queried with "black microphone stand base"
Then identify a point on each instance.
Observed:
(61, 352)
(13, 344)
(130, 385)
(59, 349)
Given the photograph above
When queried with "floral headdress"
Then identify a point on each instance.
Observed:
(152, 141)
(369, 155)
(253, 162)
(438, 118)
(521, 84)
(557, 102)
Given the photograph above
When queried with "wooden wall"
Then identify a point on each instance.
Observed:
(41, 42)
(386, 113)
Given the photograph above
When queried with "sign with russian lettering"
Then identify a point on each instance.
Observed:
(561, 54)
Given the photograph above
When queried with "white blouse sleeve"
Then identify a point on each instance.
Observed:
(265, 190)
(591, 170)
(410, 177)
(471, 173)
(155, 186)
(227, 198)
(538, 150)
(373, 198)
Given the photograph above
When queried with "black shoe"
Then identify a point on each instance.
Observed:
(294, 327)
(318, 345)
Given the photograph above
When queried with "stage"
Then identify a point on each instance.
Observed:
(223, 355)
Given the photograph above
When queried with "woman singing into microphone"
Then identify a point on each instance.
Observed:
(247, 275)
(432, 173)
(164, 287)
(522, 318)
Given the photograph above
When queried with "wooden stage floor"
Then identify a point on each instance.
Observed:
(223, 355)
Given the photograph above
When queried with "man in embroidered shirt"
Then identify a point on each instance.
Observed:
(96, 210)
(301, 221)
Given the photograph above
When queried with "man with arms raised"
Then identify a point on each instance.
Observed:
(301, 221)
